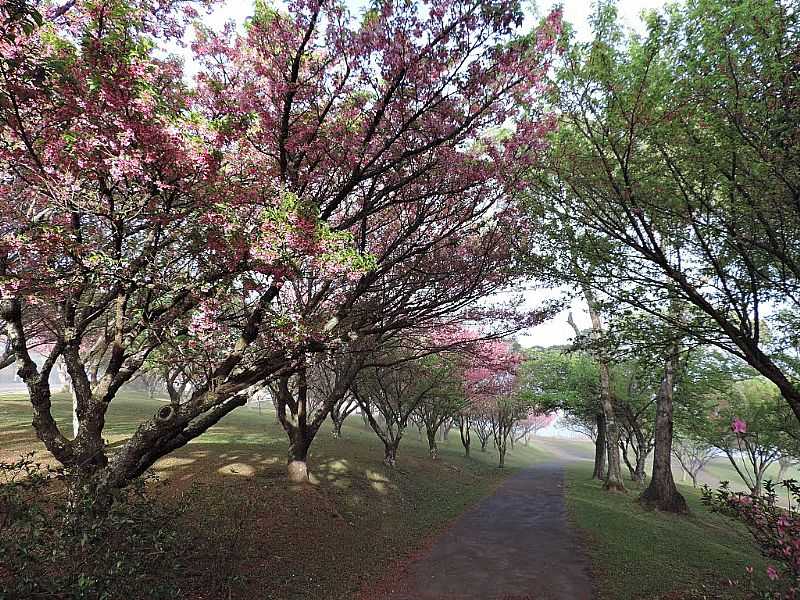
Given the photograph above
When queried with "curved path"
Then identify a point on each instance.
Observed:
(513, 545)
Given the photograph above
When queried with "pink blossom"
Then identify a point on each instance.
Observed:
(772, 573)
(738, 426)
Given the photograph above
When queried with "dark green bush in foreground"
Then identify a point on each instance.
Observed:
(51, 548)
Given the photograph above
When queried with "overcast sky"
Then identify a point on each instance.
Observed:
(577, 12)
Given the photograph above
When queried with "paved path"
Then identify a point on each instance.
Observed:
(513, 545)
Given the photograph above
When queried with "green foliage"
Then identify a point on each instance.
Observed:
(557, 380)
(50, 547)
(776, 532)
(673, 176)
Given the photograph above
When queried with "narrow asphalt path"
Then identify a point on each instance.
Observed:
(513, 545)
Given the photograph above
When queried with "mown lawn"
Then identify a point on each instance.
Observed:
(639, 554)
(250, 534)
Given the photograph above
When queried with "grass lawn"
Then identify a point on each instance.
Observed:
(250, 534)
(645, 554)
(720, 468)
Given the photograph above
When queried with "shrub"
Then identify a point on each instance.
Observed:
(776, 531)
(57, 549)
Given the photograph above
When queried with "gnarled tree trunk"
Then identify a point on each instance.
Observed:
(297, 456)
(390, 451)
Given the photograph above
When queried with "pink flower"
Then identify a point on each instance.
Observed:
(738, 426)
(772, 573)
(749, 570)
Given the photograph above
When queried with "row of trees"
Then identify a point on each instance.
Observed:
(342, 189)
(722, 409)
(330, 188)
(668, 200)
(475, 388)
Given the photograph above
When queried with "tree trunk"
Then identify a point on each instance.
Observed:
(642, 450)
(626, 460)
(75, 421)
(463, 427)
(614, 479)
(502, 451)
(297, 467)
(600, 449)
(641, 459)
(445, 429)
(390, 453)
(432, 447)
(89, 498)
(759, 481)
(337, 428)
(662, 493)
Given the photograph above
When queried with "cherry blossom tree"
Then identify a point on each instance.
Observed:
(124, 211)
(531, 424)
(388, 395)
(328, 183)
(391, 129)
(491, 382)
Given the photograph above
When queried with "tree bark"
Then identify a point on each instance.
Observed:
(463, 427)
(641, 461)
(662, 494)
(626, 460)
(600, 449)
(297, 463)
(390, 453)
(613, 481)
(76, 424)
(433, 449)
(337, 428)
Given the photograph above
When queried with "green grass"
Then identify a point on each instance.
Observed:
(721, 469)
(250, 534)
(646, 554)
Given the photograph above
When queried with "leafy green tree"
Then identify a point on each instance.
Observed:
(677, 165)
(445, 401)
(557, 380)
(748, 430)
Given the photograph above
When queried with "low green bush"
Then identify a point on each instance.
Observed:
(58, 545)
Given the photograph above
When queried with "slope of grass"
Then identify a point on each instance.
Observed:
(720, 468)
(645, 554)
(250, 534)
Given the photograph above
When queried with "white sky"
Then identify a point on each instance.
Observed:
(577, 12)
